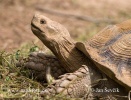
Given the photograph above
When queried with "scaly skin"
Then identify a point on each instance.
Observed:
(38, 63)
(68, 84)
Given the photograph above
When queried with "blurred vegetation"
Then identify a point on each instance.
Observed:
(14, 81)
(16, 15)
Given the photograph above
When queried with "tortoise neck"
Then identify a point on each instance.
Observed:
(69, 56)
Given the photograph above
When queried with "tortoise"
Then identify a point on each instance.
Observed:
(102, 64)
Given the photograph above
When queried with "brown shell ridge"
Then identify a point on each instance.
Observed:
(120, 78)
(110, 34)
(103, 36)
(116, 72)
(111, 51)
(120, 51)
(117, 37)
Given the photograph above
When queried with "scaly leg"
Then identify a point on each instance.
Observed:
(41, 65)
(74, 85)
(79, 85)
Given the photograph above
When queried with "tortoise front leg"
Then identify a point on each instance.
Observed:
(79, 85)
(41, 65)
(74, 85)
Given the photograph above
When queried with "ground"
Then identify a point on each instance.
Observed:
(16, 15)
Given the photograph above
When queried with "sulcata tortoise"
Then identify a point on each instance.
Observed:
(99, 68)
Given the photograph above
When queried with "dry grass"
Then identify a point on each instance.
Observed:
(15, 82)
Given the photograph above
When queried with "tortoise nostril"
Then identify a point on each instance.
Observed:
(36, 15)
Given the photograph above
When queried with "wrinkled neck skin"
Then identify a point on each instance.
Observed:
(71, 58)
(68, 55)
(65, 51)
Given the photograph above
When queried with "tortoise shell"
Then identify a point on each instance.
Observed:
(110, 49)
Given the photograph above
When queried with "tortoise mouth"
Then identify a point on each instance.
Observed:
(38, 32)
(35, 28)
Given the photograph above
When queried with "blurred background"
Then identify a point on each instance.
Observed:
(83, 18)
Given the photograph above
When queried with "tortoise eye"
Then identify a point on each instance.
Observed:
(42, 21)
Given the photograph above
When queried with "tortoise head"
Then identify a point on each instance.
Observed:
(48, 31)
(56, 38)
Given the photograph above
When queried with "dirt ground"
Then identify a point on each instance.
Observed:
(16, 15)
